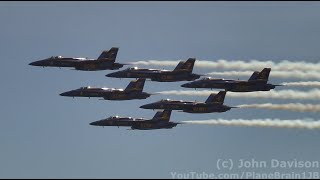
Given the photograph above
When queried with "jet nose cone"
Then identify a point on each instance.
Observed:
(63, 94)
(143, 106)
(146, 106)
(33, 63)
(39, 63)
(95, 123)
(111, 75)
(68, 93)
(186, 85)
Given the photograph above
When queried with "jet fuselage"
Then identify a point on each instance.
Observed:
(106, 93)
(139, 124)
(155, 75)
(187, 106)
(231, 85)
(78, 63)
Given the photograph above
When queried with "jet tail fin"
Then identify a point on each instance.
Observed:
(179, 66)
(110, 55)
(264, 74)
(216, 98)
(254, 76)
(186, 66)
(136, 85)
(162, 115)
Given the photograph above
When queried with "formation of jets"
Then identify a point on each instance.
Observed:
(182, 72)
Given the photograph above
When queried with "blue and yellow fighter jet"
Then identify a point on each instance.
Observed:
(132, 91)
(214, 103)
(106, 61)
(182, 72)
(159, 121)
(257, 82)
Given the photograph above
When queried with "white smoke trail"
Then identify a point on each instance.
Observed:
(277, 123)
(253, 65)
(290, 107)
(306, 84)
(278, 74)
(313, 94)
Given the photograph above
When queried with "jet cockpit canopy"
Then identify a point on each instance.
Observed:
(132, 68)
(56, 57)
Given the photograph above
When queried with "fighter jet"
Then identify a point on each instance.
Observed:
(106, 61)
(182, 72)
(132, 91)
(159, 121)
(214, 103)
(257, 82)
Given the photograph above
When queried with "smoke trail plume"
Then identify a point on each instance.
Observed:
(313, 94)
(290, 107)
(253, 65)
(305, 84)
(277, 123)
(278, 74)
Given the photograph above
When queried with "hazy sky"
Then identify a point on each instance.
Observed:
(44, 135)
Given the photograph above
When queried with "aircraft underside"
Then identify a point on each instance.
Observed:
(149, 126)
(96, 67)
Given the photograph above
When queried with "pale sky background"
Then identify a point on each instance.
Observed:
(44, 135)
